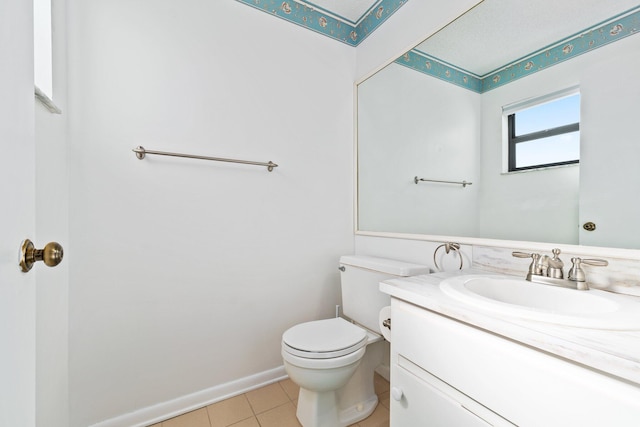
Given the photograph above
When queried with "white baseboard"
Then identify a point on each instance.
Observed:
(384, 371)
(172, 408)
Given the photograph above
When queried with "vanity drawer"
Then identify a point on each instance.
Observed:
(523, 385)
(419, 398)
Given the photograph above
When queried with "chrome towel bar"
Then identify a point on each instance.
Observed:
(463, 183)
(141, 152)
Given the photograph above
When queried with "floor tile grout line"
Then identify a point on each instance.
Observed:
(285, 391)
(255, 415)
(271, 409)
(208, 416)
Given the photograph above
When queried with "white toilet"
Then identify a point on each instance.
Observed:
(333, 360)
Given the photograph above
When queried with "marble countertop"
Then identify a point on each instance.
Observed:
(613, 352)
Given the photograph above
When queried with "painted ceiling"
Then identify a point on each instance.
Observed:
(517, 28)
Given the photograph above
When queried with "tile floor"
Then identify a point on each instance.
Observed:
(270, 406)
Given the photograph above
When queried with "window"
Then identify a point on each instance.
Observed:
(545, 132)
(42, 46)
(43, 54)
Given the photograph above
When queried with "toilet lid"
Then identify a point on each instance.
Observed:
(323, 339)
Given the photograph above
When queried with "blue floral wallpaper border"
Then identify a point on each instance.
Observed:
(314, 18)
(614, 29)
(434, 67)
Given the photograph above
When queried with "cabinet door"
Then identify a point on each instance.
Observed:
(525, 386)
(420, 399)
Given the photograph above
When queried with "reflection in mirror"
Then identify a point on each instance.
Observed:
(440, 112)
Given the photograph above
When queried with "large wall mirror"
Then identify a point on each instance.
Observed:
(438, 113)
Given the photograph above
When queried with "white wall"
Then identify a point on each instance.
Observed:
(185, 273)
(411, 124)
(52, 224)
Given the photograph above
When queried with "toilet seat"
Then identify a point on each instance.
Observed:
(324, 339)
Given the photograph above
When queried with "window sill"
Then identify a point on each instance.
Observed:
(46, 101)
(573, 165)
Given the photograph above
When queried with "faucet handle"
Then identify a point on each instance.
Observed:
(577, 273)
(596, 262)
(534, 263)
(521, 254)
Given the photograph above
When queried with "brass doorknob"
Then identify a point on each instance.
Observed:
(51, 254)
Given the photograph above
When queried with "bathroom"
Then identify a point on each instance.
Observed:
(180, 276)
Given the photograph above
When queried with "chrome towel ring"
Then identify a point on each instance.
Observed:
(448, 247)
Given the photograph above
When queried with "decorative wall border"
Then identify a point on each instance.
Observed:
(327, 12)
(439, 69)
(316, 19)
(614, 29)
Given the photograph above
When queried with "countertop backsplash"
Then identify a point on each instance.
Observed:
(622, 275)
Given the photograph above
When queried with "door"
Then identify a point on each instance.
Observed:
(609, 152)
(17, 214)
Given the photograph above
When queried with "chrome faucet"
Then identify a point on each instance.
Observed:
(549, 270)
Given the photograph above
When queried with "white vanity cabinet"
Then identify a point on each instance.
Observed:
(447, 373)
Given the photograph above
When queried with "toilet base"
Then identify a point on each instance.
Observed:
(312, 408)
(312, 411)
(347, 405)
(357, 412)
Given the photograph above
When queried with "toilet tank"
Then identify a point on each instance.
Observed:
(360, 279)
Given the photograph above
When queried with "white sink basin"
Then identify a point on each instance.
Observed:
(533, 301)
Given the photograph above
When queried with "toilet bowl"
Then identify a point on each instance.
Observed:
(322, 357)
(333, 360)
